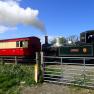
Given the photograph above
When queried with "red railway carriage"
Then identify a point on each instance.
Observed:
(20, 46)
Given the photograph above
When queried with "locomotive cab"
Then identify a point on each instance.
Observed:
(87, 36)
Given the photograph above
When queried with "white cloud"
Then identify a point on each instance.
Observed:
(11, 0)
(11, 14)
(4, 29)
(14, 14)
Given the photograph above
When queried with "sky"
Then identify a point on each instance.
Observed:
(59, 17)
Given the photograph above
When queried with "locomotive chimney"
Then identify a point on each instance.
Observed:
(46, 39)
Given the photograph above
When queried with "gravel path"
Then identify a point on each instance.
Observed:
(48, 88)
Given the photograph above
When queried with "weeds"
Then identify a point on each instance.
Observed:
(11, 77)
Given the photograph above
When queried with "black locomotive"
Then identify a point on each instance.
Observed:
(82, 48)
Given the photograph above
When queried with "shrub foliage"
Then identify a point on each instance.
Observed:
(12, 77)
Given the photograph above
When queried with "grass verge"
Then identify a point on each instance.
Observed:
(13, 77)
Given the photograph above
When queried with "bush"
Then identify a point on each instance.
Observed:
(15, 76)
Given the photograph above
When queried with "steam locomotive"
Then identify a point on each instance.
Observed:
(82, 48)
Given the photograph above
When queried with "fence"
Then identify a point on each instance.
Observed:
(64, 70)
(24, 60)
(16, 59)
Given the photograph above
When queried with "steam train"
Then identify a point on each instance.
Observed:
(82, 48)
(27, 47)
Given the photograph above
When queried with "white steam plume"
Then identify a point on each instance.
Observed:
(11, 14)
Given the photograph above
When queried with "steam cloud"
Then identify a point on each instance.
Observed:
(11, 14)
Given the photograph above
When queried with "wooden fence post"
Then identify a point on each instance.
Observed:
(42, 66)
(16, 60)
(36, 73)
(41, 58)
(2, 61)
(36, 67)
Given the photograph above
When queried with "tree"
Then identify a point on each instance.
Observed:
(61, 40)
(73, 39)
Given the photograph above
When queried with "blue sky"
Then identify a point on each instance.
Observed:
(61, 18)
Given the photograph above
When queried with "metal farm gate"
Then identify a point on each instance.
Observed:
(58, 70)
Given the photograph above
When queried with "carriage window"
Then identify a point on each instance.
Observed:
(21, 43)
(17, 44)
(25, 44)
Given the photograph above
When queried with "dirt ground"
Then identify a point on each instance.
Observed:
(49, 88)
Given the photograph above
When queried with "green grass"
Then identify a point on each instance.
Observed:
(53, 71)
(83, 79)
(12, 77)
